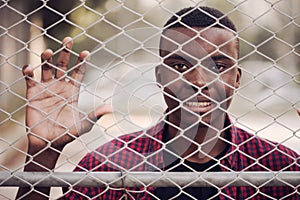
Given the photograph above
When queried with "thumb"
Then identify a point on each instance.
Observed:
(99, 112)
(95, 115)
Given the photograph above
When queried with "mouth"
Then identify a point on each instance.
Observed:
(199, 107)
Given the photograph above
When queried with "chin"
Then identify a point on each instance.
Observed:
(213, 118)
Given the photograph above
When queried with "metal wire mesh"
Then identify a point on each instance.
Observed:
(123, 38)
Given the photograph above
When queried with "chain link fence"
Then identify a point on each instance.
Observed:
(120, 157)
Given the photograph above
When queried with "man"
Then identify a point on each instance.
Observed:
(198, 76)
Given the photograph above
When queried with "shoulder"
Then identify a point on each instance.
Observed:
(268, 153)
(259, 144)
(122, 152)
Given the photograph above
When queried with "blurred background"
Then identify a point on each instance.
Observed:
(122, 37)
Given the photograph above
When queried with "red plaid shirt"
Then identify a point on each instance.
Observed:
(247, 153)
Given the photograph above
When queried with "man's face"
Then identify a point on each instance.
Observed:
(199, 72)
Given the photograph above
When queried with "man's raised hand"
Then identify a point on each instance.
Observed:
(52, 114)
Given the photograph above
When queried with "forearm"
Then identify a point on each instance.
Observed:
(38, 161)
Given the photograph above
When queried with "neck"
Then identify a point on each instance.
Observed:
(198, 143)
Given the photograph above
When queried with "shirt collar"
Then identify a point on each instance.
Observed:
(229, 162)
(155, 146)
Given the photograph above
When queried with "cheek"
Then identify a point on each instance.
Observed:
(174, 89)
(229, 84)
(169, 80)
(223, 87)
(166, 76)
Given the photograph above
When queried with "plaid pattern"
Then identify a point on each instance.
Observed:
(246, 153)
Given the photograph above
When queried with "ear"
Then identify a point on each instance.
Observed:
(158, 74)
(238, 77)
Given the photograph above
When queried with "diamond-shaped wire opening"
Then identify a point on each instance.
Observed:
(265, 105)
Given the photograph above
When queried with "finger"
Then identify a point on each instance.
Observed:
(64, 57)
(87, 125)
(28, 73)
(80, 69)
(46, 58)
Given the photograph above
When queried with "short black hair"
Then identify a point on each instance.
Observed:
(201, 16)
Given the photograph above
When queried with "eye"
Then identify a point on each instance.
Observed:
(180, 67)
(218, 67)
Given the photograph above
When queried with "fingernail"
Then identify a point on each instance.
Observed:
(26, 66)
(47, 54)
(67, 42)
(84, 56)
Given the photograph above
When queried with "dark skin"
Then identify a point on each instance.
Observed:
(199, 62)
(50, 113)
(52, 117)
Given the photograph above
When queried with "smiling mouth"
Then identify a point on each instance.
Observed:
(198, 104)
(199, 107)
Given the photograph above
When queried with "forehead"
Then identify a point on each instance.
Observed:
(198, 41)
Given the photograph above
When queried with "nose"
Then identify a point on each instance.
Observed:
(198, 77)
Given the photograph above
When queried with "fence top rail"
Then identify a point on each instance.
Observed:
(155, 179)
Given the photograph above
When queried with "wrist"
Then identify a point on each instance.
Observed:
(41, 159)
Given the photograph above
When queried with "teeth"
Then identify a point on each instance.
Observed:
(198, 104)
